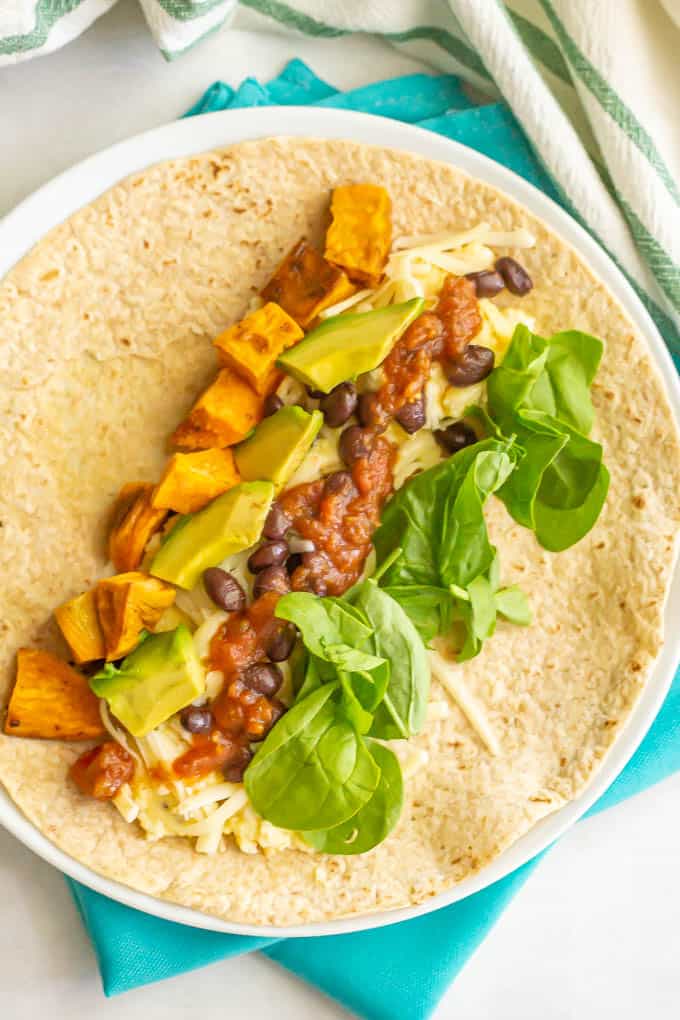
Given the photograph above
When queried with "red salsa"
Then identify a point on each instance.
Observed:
(101, 771)
(241, 715)
(441, 334)
(339, 515)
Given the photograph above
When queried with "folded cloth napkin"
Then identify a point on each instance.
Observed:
(366, 971)
(594, 85)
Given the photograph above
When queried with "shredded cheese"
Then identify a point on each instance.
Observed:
(218, 817)
(415, 453)
(210, 808)
(116, 732)
(205, 633)
(343, 306)
(447, 675)
(126, 803)
(322, 459)
(450, 240)
(220, 791)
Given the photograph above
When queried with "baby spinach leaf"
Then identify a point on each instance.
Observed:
(478, 612)
(439, 516)
(375, 820)
(351, 659)
(557, 529)
(349, 620)
(428, 607)
(331, 630)
(397, 641)
(307, 676)
(562, 390)
(312, 616)
(298, 663)
(426, 516)
(540, 393)
(512, 604)
(464, 548)
(352, 707)
(313, 771)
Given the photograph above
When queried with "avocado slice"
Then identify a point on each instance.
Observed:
(278, 445)
(346, 345)
(232, 522)
(160, 677)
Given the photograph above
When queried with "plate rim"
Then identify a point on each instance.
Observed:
(79, 185)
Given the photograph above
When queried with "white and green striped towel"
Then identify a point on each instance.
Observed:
(594, 83)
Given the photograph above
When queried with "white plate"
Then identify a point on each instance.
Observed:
(57, 200)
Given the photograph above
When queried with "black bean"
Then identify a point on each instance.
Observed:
(269, 554)
(224, 590)
(339, 405)
(271, 579)
(487, 283)
(272, 404)
(455, 437)
(282, 642)
(339, 482)
(517, 280)
(293, 562)
(353, 445)
(263, 677)
(278, 709)
(471, 366)
(315, 394)
(411, 416)
(276, 523)
(366, 409)
(236, 766)
(317, 565)
(196, 719)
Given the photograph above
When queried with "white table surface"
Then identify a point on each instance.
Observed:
(594, 933)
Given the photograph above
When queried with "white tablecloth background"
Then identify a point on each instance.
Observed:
(595, 932)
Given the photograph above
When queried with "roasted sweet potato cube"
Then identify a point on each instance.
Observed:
(223, 415)
(51, 700)
(191, 480)
(126, 605)
(360, 235)
(252, 346)
(305, 283)
(135, 520)
(79, 624)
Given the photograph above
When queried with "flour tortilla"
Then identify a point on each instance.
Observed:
(106, 332)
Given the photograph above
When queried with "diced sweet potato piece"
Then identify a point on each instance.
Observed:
(191, 480)
(79, 624)
(252, 346)
(135, 520)
(360, 235)
(52, 700)
(305, 283)
(223, 414)
(126, 605)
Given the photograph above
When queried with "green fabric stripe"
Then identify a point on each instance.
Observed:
(440, 37)
(665, 271)
(188, 10)
(294, 19)
(541, 47)
(610, 101)
(47, 13)
(285, 15)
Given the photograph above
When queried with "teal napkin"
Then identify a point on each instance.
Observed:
(366, 971)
